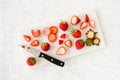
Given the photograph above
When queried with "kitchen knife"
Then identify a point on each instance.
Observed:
(40, 54)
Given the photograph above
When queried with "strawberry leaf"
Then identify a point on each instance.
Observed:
(89, 42)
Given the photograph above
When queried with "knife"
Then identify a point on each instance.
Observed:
(39, 54)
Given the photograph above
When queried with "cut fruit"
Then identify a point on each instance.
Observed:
(63, 36)
(53, 29)
(61, 51)
(75, 20)
(27, 38)
(60, 42)
(68, 43)
(92, 24)
(96, 41)
(52, 37)
(83, 25)
(86, 18)
(46, 31)
(90, 34)
(34, 43)
(35, 32)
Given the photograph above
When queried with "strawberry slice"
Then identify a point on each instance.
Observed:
(68, 43)
(34, 43)
(53, 29)
(90, 34)
(83, 25)
(92, 24)
(46, 31)
(75, 20)
(86, 18)
(61, 51)
(63, 36)
(35, 32)
(27, 38)
(52, 37)
(60, 42)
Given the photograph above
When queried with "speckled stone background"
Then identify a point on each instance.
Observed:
(16, 15)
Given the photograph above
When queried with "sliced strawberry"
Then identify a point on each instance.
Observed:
(31, 61)
(52, 37)
(34, 43)
(96, 41)
(83, 25)
(61, 51)
(60, 42)
(86, 18)
(35, 32)
(90, 34)
(75, 20)
(92, 24)
(27, 38)
(53, 29)
(63, 36)
(46, 31)
(68, 43)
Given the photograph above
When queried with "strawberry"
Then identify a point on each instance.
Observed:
(52, 37)
(53, 29)
(45, 46)
(27, 38)
(75, 20)
(61, 51)
(76, 33)
(34, 43)
(63, 36)
(46, 31)
(68, 43)
(60, 42)
(90, 34)
(92, 24)
(96, 41)
(86, 18)
(83, 25)
(31, 61)
(63, 25)
(35, 32)
(79, 44)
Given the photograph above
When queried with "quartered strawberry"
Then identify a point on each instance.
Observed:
(31, 61)
(79, 44)
(60, 42)
(86, 18)
(63, 36)
(92, 23)
(75, 20)
(96, 41)
(34, 43)
(61, 51)
(53, 30)
(52, 37)
(46, 31)
(68, 43)
(27, 38)
(83, 25)
(76, 33)
(63, 25)
(35, 32)
(90, 34)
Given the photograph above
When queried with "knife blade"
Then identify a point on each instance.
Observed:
(39, 54)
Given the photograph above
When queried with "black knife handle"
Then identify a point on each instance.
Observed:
(51, 59)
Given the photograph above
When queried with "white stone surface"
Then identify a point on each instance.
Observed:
(16, 15)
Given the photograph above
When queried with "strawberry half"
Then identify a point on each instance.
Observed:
(75, 20)
(27, 38)
(63, 25)
(86, 18)
(34, 43)
(92, 24)
(63, 36)
(61, 51)
(79, 44)
(76, 33)
(68, 43)
(45, 46)
(35, 32)
(83, 25)
(60, 42)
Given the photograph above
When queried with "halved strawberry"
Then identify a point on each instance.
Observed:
(76, 33)
(34, 43)
(63, 36)
(68, 43)
(27, 38)
(92, 24)
(46, 31)
(60, 42)
(86, 18)
(52, 37)
(61, 51)
(35, 32)
(96, 41)
(90, 34)
(75, 20)
(83, 25)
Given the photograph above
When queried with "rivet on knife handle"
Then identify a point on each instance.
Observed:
(51, 59)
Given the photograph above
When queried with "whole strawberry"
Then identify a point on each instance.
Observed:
(45, 46)
(79, 44)
(76, 33)
(63, 25)
(31, 61)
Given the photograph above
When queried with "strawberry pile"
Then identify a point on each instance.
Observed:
(76, 26)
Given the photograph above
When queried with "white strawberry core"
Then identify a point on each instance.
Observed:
(74, 20)
(61, 51)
